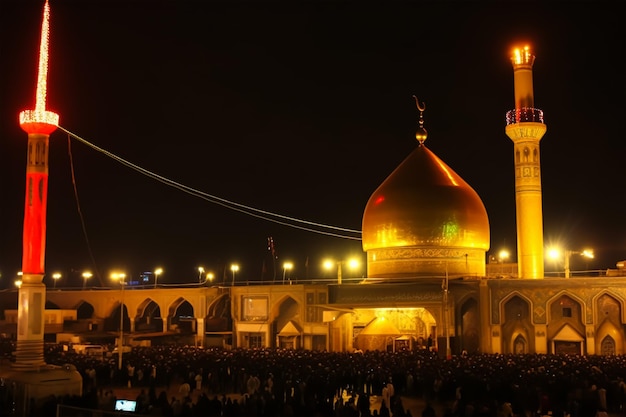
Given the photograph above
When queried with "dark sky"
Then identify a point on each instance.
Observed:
(300, 109)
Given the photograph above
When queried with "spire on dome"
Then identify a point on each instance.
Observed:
(421, 133)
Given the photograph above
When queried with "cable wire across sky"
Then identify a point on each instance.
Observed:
(309, 226)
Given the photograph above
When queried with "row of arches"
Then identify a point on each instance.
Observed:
(568, 325)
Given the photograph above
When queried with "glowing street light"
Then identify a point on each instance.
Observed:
(587, 253)
(56, 276)
(86, 276)
(234, 268)
(287, 266)
(503, 256)
(210, 276)
(555, 253)
(157, 272)
(200, 272)
(120, 276)
(352, 263)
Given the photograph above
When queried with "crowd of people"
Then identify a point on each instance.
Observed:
(278, 382)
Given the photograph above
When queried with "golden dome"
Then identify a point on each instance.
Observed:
(424, 219)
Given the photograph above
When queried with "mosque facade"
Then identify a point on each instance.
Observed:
(426, 235)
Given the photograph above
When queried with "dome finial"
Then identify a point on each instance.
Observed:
(421, 133)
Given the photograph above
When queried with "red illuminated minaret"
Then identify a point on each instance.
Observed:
(525, 127)
(39, 124)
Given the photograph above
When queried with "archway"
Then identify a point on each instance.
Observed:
(517, 328)
(181, 317)
(566, 330)
(149, 317)
(84, 311)
(609, 330)
(393, 328)
(112, 323)
(285, 327)
(607, 346)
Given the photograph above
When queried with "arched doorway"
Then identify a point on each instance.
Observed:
(286, 328)
(517, 328)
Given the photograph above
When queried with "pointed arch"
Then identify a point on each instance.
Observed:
(286, 322)
(148, 317)
(84, 310)
(520, 344)
(112, 321)
(608, 346)
(219, 318)
(609, 310)
(596, 301)
(517, 324)
(181, 316)
(566, 315)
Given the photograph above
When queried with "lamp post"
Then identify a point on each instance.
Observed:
(352, 263)
(234, 268)
(555, 253)
(56, 276)
(200, 272)
(86, 276)
(287, 266)
(587, 253)
(210, 276)
(157, 272)
(120, 345)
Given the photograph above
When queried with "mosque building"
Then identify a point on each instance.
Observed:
(426, 235)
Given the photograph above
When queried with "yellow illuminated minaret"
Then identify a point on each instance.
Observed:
(525, 127)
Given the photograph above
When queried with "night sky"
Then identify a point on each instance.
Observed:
(301, 109)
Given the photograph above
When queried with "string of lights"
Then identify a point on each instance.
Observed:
(296, 223)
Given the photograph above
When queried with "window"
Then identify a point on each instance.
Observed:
(254, 308)
(255, 340)
(567, 312)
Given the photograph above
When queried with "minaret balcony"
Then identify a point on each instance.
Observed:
(524, 114)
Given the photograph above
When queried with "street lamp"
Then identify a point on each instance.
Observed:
(120, 276)
(200, 272)
(56, 276)
(503, 256)
(86, 276)
(287, 266)
(352, 263)
(555, 253)
(234, 268)
(210, 276)
(157, 272)
(587, 253)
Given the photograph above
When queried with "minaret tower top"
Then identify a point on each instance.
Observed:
(40, 120)
(522, 61)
